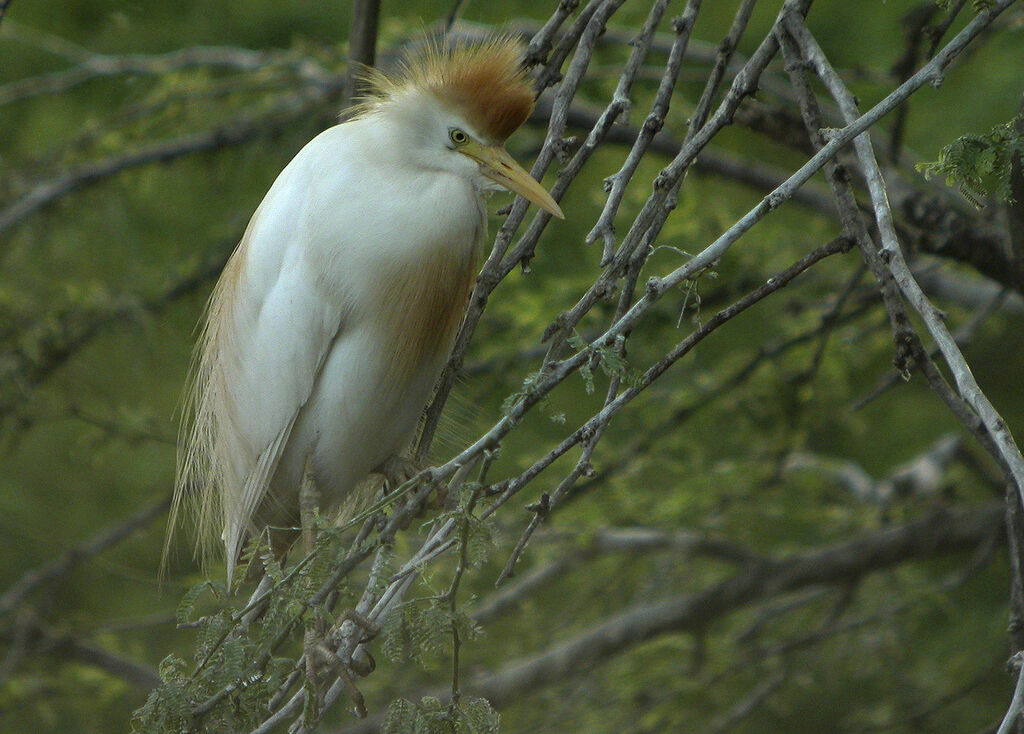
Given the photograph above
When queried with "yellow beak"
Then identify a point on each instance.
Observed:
(500, 167)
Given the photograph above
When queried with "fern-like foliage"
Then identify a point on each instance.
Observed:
(240, 664)
(237, 669)
(980, 164)
(609, 358)
(431, 716)
(424, 629)
(417, 632)
(530, 383)
(223, 662)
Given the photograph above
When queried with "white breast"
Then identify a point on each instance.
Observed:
(357, 275)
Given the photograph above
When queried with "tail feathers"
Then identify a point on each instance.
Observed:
(240, 507)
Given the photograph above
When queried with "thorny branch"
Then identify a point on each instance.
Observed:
(594, 432)
(509, 487)
(839, 564)
(557, 370)
(892, 255)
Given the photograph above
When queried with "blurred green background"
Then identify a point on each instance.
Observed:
(100, 291)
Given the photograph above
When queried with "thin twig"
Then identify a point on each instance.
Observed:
(963, 336)
(495, 268)
(1016, 703)
(292, 107)
(746, 706)
(509, 487)
(16, 593)
(835, 565)
(616, 183)
(1008, 452)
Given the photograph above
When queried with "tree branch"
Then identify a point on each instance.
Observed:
(50, 342)
(292, 107)
(942, 533)
(69, 648)
(892, 255)
(362, 44)
(98, 66)
(18, 591)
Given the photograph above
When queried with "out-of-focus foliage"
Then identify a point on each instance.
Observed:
(982, 164)
(100, 292)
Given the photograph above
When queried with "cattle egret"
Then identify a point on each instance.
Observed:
(337, 311)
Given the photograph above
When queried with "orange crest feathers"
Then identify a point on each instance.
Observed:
(486, 81)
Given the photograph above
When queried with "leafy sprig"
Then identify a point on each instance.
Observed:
(981, 165)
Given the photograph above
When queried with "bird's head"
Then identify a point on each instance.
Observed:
(453, 109)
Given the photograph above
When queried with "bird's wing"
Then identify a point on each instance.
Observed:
(268, 332)
(278, 356)
(237, 522)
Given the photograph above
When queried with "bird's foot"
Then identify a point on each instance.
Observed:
(322, 660)
(397, 471)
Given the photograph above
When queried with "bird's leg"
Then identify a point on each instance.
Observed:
(366, 665)
(309, 501)
(320, 657)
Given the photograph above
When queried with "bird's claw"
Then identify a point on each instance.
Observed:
(399, 469)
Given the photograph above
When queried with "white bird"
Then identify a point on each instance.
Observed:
(337, 311)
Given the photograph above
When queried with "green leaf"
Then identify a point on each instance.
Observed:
(980, 165)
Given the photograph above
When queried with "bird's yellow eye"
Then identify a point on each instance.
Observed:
(457, 136)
